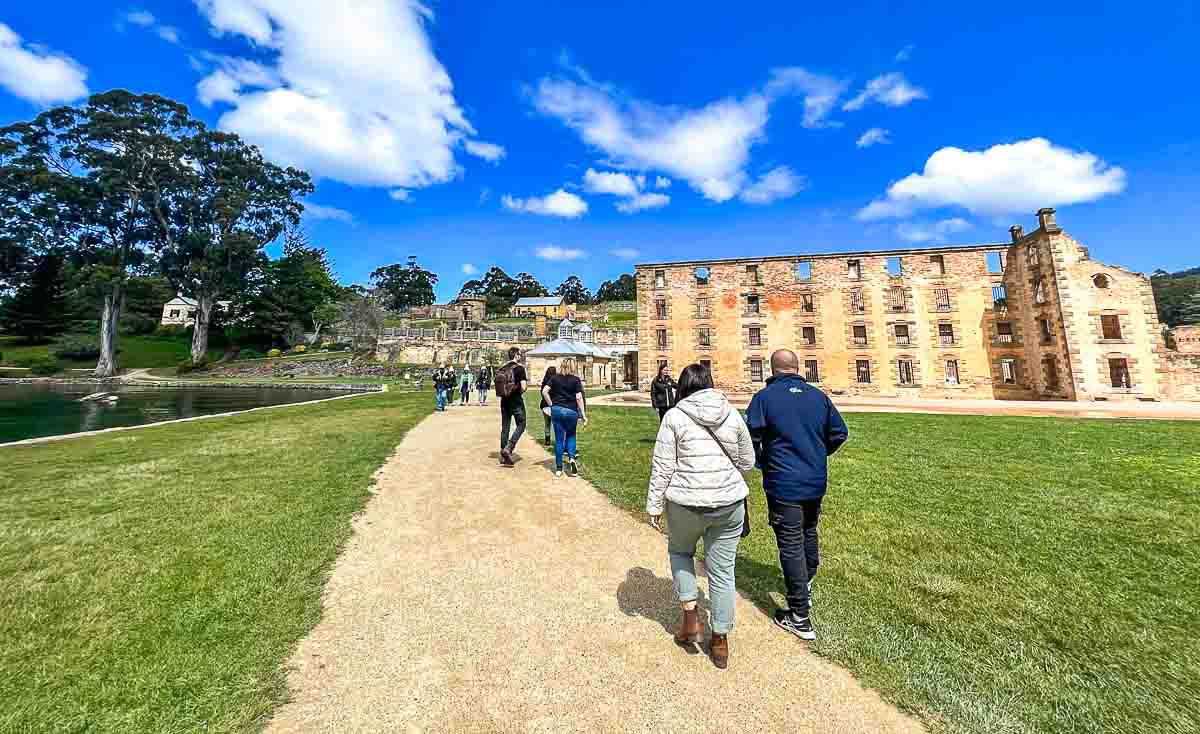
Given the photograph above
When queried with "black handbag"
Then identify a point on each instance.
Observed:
(745, 502)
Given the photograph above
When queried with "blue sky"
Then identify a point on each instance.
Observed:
(561, 138)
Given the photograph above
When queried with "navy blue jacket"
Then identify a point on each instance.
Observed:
(795, 428)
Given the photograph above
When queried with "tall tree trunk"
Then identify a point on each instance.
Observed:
(204, 306)
(110, 318)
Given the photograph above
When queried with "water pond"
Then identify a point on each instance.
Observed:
(37, 410)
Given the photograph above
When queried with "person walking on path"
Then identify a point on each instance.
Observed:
(465, 386)
(564, 394)
(795, 428)
(483, 383)
(451, 383)
(545, 405)
(441, 381)
(662, 392)
(511, 383)
(703, 449)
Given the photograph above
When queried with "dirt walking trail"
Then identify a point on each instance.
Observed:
(473, 598)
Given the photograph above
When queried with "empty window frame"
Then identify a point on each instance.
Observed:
(951, 371)
(1004, 332)
(1039, 291)
(898, 298)
(662, 364)
(707, 364)
(1050, 372)
(752, 275)
(808, 304)
(854, 269)
(895, 266)
(1118, 373)
(811, 371)
(902, 336)
(702, 306)
(660, 308)
(995, 262)
(755, 335)
(808, 334)
(904, 370)
(938, 264)
(702, 274)
(1110, 327)
(704, 336)
(752, 304)
(1032, 257)
(941, 298)
(660, 279)
(1044, 331)
(862, 371)
(859, 333)
(857, 304)
(946, 334)
(661, 336)
(804, 270)
(1008, 371)
(756, 370)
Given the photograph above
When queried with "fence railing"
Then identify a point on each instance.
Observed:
(471, 335)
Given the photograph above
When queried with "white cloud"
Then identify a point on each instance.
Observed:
(490, 152)
(820, 92)
(356, 96)
(141, 18)
(936, 232)
(400, 195)
(38, 74)
(469, 269)
(778, 183)
(559, 254)
(318, 211)
(662, 182)
(906, 53)
(874, 136)
(627, 253)
(168, 33)
(1004, 179)
(561, 203)
(218, 86)
(643, 201)
(891, 89)
(608, 182)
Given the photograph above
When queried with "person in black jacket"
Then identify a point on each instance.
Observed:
(550, 373)
(795, 428)
(662, 392)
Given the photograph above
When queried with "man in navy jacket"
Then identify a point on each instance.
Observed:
(795, 428)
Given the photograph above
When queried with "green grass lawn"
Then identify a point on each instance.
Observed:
(622, 317)
(990, 574)
(156, 580)
(135, 352)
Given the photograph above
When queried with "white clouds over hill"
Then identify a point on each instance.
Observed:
(357, 96)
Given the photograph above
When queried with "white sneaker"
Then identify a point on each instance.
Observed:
(558, 472)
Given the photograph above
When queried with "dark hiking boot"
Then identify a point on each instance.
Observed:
(506, 457)
(718, 647)
(689, 628)
(797, 625)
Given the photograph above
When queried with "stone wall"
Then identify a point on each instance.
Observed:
(1182, 376)
(1187, 338)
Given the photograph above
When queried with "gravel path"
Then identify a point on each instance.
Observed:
(473, 598)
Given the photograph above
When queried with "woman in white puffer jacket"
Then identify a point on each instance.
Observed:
(703, 447)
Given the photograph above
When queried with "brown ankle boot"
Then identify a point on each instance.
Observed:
(719, 648)
(690, 629)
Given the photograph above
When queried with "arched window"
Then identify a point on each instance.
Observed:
(1100, 280)
(1039, 292)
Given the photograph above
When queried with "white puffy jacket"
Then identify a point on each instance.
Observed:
(689, 467)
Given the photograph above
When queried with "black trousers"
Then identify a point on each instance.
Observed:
(795, 526)
(510, 412)
(662, 413)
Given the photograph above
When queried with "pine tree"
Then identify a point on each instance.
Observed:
(38, 310)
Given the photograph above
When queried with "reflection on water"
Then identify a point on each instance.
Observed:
(32, 411)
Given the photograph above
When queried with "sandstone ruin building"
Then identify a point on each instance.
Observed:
(1034, 318)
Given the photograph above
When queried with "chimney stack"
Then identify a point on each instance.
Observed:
(1017, 232)
(1046, 221)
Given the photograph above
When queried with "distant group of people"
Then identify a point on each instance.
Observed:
(703, 449)
(697, 490)
(447, 381)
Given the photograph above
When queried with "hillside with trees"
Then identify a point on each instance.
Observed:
(1178, 296)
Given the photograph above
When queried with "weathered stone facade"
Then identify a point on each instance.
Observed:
(1187, 339)
(1034, 318)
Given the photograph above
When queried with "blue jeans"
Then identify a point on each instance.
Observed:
(721, 530)
(564, 421)
(441, 398)
(483, 391)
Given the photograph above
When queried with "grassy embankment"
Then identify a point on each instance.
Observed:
(990, 574)
(135, 352)
(156, 580)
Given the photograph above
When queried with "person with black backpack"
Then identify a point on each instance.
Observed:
(511, 383)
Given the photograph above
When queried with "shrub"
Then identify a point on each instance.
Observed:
(274, 353)
(39, 364)
(76, 347)
(249, 354)
(187, 367)
(171, 332)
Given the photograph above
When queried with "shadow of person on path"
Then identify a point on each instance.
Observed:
(642, 594)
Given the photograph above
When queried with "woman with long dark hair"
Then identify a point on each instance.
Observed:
(662, 392)
(702, 450)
